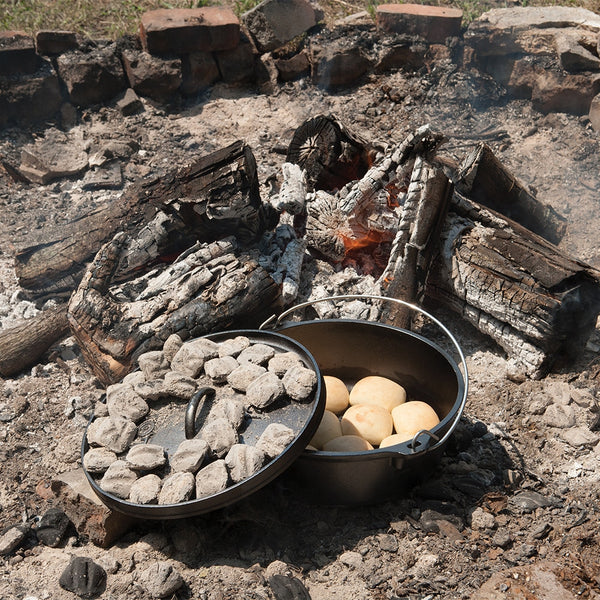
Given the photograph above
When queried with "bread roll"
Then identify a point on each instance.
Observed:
(412, 417)
(347, 443)
(329, 428)
(337, 395)
(378, 390)
(369, 421)
(391, 440)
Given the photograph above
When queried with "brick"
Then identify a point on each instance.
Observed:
(51, 43)
(433, 23)
(184, 30)
(237, 65)
(199, 72)
(17, 53)
(152, 76)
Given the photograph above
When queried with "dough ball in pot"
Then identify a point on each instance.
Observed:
(329, 428)
(369, 421)
(337, 395)
(347, 443)
(412, 417)
(378, 390)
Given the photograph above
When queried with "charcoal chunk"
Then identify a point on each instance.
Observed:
(83, 577)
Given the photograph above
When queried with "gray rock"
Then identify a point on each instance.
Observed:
(244, 375)
(179, 385)
(580, 437)
(114, 433)
(160, 579)
(502, 539)
(83, 577)
(118, 479)
(129, 103)
(529, 500)
(243, 461)
(351, 559)
(189, 456)
(264, 391)
(481, 519)
(388, 542)
(154, 364)
(299, 383)
(192, 355)
(146, 489)
(275, 439)
(258, 354)
(97, 460)
(559, 415)
(122, 401)
(146, 457)
(220, 436)
(212, 479)
(283, 362)
(12, 537)
(108, 177)
(287, 586)
(233, 346)
(178, 487)
(218, 369)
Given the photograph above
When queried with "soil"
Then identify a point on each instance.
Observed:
(511, 509)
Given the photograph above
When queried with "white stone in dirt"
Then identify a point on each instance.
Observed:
(100, 410)
(351, 559)
(12, 537)
(219, 368)
(559, 415)
(154, 364)
(558, 391)
(146, 457)
(220, 435)
(275, 439)
(258, 354)
(244, 375)
(212, 479)
(146, 489)
(179, 385)
(97, 460)
(114, 433)
(150, 390)
(243, 461)
(160, 579)
(178, 487)
(231, 409)
(123, 401)
(192, 355)
(481, 519)
(233, 346)
(118, 479)
(299, 383)
(171, 346)
(189, 456)
(283, 361)
(583, 397)
(580, 437)
(264, 391)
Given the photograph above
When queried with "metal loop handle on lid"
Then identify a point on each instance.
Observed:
(275, 321)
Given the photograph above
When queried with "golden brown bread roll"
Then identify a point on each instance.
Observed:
(369, 421)
(347, 443)
(412, 417)
(337, 395)
(329, 428)
(378, 390)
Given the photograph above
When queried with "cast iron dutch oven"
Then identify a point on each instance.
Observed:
(352, 349)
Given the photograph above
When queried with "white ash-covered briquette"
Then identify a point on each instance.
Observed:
(152, 390)
(233, 346)
(178, 487)
(118, 479)
(134, 378)
(220, 435)
(231, 409)
(114, 433)
(243, 461)
(275, 439)
(192, 355)
(146, 457)
(171, 346)
(123, 401)
(212, 479)
(154, 364)
(97, 460)
(146, 489)
(218, 369)
(258, 354)
(100, 410)
(299, 383)
(240, 378)
(283, 362)
(190, 455)
(264, 391)
(180, 386)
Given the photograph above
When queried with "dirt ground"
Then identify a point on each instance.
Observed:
(511, 510)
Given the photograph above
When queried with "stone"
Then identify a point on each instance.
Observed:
(559, 415)
(564, 92)
(12, 537)
(154, 364)
(51, 43)
(401, 54)
(219, 368)
(109, 177)
(573, 56)
(199, 71)
(17, 53)
(529, 500)
(83, 577)
(299, 383)
(258, 354)
(433, 23)
(481, 519)
(160, 579)
(275, 439)
(179, 385)
(114, 433)
(243, 461)
(293, 67)
(351, 559)
(192, 355)
(580, 437)
(152, 76)
(123, 402)
(146, 457)
(273, 23)
(130, 103)
(176, 488)
(288, 586)
(146, 489)
(118, 479)
(181, 31)
(189, 456)
(220, 436)
(238, 64)
(244, 375)
(212, 479)
(97, 460)
(338, 65)
(283, 361)
(52, 527)
(264, 391)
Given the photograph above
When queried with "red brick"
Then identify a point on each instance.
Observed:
(184, 30)
(434, 23)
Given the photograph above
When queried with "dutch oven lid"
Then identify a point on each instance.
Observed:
(169, 431)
